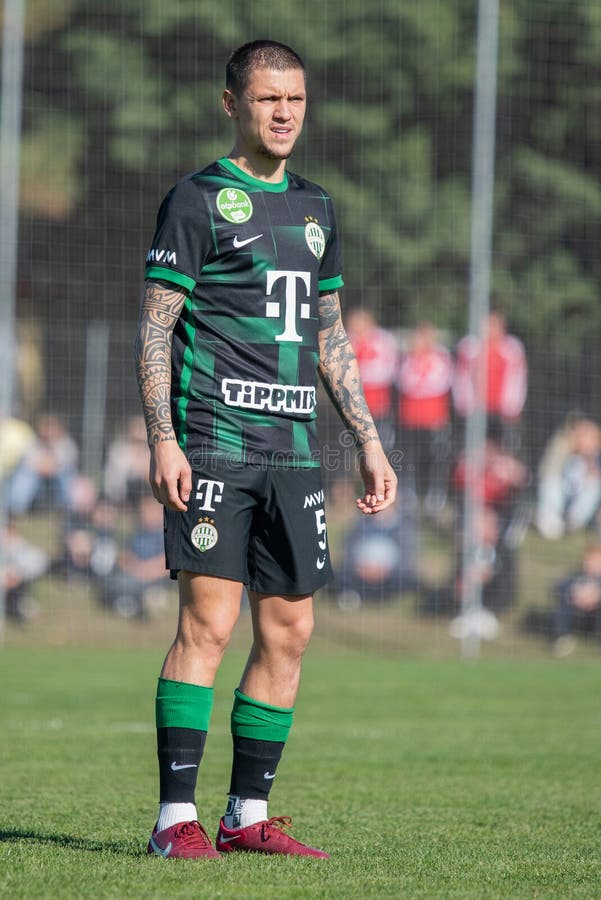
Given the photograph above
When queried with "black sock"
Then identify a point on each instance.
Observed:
(180, 751)
(254, 767)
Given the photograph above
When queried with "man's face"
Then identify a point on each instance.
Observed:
(270, 112)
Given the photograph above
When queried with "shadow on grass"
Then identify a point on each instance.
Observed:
(69, 842)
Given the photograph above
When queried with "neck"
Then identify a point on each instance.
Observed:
(257, 166)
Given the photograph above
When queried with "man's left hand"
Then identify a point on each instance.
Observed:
(379, 479)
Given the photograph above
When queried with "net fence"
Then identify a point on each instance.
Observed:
(122, 98)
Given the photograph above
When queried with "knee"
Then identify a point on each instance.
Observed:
(293, 638)
(303, 632)
(217, 635)
(208, 635)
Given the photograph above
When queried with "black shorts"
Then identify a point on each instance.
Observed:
(264, 526)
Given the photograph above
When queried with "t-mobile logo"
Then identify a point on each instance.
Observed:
(209, 492)
(273, 309)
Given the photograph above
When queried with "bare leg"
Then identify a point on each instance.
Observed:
(282, 627)
(209, 609)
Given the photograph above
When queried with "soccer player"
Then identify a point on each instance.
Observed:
(240, 311)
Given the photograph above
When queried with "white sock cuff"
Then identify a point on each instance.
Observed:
(244, 811)
(174, 813)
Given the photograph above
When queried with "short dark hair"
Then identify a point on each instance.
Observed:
(258, 55)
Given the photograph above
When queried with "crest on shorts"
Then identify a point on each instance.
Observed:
(204, 535)
(314, 236)
(234, 205)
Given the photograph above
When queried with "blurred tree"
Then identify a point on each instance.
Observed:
(124, 96)
(51, 154)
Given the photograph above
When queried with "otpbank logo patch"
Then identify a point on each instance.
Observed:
(234, 205)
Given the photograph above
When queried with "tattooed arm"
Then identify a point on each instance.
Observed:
(170, 475)
(340, 375)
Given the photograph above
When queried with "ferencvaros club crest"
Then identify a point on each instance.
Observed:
(204, 535)
(314, 236)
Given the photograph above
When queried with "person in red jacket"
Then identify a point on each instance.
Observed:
(424, 388)
(506, 376)
(377, 354)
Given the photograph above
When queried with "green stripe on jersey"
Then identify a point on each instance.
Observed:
(273, 187)
(204, 368)
(162, 274)
(186, 373)
(228, 434)
(288, 363)
(263, 330)
(331, 284)
(300, 441)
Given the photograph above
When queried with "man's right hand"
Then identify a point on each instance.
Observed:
(170, 475)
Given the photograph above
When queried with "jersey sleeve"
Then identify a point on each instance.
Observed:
(330, 274)
(182, 236)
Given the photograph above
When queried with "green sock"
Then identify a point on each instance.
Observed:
(260, 721)
(182, 705)
(259, 734)
(183, 712)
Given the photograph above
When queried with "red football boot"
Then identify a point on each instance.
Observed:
(264, 837)
(185, 840)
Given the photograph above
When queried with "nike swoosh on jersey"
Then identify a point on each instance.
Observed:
(238, 243)
(269, 776)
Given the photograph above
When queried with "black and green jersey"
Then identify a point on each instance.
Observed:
(253, 257)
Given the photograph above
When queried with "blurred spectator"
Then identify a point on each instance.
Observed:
(377, 354)
(90, 546)
(492, 568)
(506, 377)
(503, 476)
(127, 462)
(569, 489)
(379, 558)
(83, 497)
(30, 379)
(17, 439)
(139, 579)
(424, 385)
(50, 462)
(23, 564)
(578, 597)
(499, 531)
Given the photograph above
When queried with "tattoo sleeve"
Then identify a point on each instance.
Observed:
(339, 371)
(159, 311)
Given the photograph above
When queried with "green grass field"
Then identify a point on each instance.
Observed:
(423, 778)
